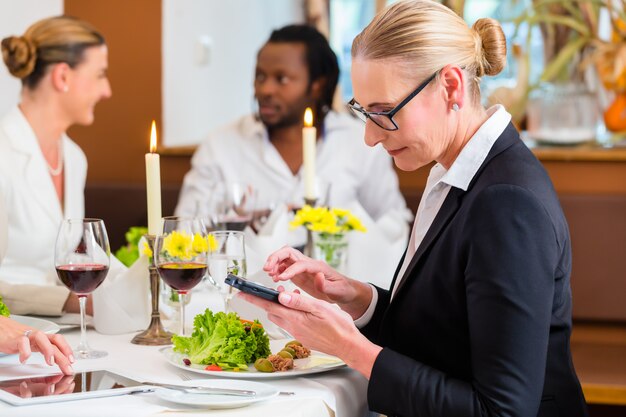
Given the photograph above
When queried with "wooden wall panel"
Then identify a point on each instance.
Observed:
(116, 143)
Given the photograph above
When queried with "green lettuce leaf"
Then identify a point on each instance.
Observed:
(222, 339)
(4, 310)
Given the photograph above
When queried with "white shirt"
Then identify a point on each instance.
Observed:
(243, 153)
(439, 182)
(34, 215)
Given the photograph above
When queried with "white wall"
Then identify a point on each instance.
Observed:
(15, 17)
(199, 96)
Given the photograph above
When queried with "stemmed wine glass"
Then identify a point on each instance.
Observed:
(235, 206)
(81, 258)
(180, 255)
(208, 224)
(227, 255)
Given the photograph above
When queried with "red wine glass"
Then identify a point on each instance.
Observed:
(181, 257)
(81, 259)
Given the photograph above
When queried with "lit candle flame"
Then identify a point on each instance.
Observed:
(308, 117)
(153, 138)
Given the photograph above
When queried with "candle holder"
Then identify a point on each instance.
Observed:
(155, 334)
(308, 247)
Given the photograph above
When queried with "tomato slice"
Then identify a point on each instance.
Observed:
(213, 368)
(250, 323)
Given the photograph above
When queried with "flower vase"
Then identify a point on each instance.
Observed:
(332, 249)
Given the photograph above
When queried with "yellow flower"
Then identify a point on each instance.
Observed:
(324, 220)
(199, 244)
(212, 243)
(355, 224)
(339, 212)
(145, 249)
(307, 215)
(325, 228)
(178, 245)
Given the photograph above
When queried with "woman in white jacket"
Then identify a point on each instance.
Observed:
(16, 337)
(62, 64)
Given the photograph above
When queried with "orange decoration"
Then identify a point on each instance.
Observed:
(615, 115)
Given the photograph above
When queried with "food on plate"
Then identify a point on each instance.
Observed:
(223, 342)
(283, 360)
(264, 365)
(299, 351)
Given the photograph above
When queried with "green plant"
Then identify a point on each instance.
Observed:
(569, 30)
(129, 253)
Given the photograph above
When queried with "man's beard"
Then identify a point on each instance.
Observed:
(288, 120)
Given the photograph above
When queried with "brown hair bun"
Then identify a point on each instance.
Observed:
(492, 44)
(19, 55)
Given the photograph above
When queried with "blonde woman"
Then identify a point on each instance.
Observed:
(62, 64)
(478, 317)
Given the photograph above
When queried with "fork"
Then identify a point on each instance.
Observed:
(186, 377)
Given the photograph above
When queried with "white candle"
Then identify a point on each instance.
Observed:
(153, 186)
(309, 139)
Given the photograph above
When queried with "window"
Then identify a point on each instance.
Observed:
(349, 17)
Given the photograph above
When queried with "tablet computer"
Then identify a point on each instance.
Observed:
(59, 387)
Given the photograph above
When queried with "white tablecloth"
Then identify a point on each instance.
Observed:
(340, 393)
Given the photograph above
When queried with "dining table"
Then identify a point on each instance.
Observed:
(339, 392)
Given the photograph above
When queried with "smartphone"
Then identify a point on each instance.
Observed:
(59, 387)
(253, 288)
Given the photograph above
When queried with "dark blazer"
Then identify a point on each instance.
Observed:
(481, 320)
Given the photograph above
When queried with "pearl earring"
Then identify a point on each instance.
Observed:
(66, 89)
(455, 107)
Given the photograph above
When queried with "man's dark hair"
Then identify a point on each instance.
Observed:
(320, 59)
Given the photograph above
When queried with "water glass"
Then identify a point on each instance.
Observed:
(227, 255)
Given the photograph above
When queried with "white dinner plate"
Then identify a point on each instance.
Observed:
(316, 363)
(68, 321)
(263, 392)
(45, 326)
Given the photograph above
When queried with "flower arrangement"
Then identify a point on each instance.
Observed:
(572, 42)
(326, 220)
(329, 226)
(185, 247)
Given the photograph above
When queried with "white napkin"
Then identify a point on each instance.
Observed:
(374, 255)
(122, 303)
(271, 237)
(3, 229)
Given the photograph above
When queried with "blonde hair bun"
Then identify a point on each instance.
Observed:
(491, 46)
(19, 55)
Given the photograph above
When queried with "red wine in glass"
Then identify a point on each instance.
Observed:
(182, 276)
(82, 279)
(81, 259)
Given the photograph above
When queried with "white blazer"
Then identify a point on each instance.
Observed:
(34, 216)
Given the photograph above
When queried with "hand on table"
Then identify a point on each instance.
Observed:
(14, 338)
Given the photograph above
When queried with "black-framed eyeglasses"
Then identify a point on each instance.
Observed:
(384, 119)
